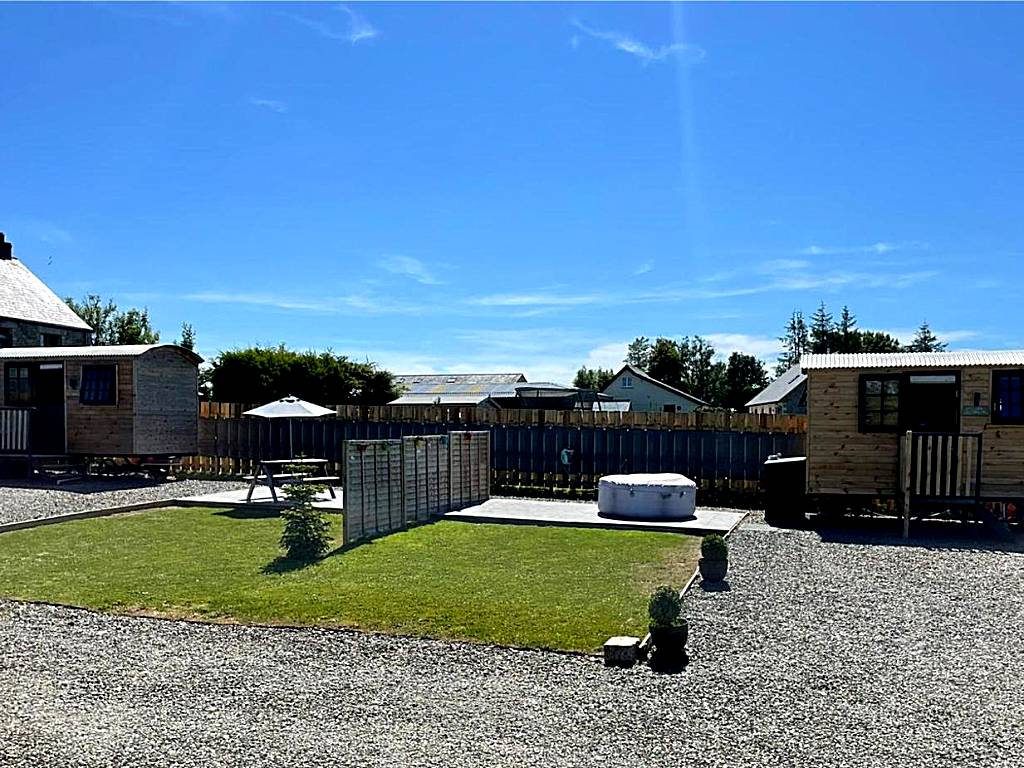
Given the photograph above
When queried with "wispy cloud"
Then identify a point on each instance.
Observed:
(763, 347)
(644, 268)
(791, 279)
(407, 266)
(352, 303)
(355, 29)
(878, 249)
(272, 104)
(645, 53)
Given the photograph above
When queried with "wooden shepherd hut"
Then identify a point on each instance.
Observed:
(925, 428)
(101, 401)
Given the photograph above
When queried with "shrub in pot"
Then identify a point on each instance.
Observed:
(667, 626)
(714, 558)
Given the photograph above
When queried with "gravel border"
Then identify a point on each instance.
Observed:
(24, 502)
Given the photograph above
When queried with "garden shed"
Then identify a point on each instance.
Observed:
(131, 400)
(940, 426)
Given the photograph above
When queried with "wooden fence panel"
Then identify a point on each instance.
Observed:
(470, 468)
(426, 470)
(373, 488)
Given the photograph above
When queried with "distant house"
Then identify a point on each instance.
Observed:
(648, 394)
(786, 395)
(486, 390)
(31, 315)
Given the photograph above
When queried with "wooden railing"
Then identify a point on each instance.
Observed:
(939, 467)
(15, 430)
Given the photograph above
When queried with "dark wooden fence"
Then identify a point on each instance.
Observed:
(538, 449)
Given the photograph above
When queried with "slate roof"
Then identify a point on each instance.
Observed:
(779, 389)
(901, 360)
(23, 296)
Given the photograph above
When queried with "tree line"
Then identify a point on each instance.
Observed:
(826, 334)
(690, 364)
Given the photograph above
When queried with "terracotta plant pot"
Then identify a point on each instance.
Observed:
(713, 570)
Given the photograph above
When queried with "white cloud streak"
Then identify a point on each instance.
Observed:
(272, 104)
(645, 53)
(356, 29)
(407, 266)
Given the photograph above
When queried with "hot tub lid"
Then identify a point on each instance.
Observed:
(652, 481)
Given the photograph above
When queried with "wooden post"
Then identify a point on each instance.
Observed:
(908, 443)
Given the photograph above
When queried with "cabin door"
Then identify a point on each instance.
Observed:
(931, 403)
(41, 387)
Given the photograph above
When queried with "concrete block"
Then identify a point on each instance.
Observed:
(621, 651)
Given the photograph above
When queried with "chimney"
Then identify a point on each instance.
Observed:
(5, 249)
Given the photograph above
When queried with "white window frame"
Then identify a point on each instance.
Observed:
(627, 382)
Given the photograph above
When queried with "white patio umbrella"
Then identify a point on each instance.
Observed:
(290, 408)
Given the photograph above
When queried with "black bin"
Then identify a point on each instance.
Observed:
(784, 482)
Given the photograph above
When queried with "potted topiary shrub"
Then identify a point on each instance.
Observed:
(714, 558)
(667, 626)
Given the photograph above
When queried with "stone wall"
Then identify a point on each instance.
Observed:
(23, 334)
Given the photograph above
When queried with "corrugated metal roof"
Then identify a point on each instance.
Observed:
(23, 296)
(439, 383)
(779, 388)
(98, 351)
(957, 359)
(441, 399)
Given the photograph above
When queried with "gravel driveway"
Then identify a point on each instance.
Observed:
(19, 503)
(822, 653)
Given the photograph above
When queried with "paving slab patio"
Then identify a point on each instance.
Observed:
(260, 497)
(585, 515)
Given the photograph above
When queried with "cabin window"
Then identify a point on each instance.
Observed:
(49, 340)
(17, 389)
(99, 385)
(6, 338)
(627, 382)
(1006, 397)
(879, 403)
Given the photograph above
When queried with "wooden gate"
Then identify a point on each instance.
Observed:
(15, 430)
(939, 468)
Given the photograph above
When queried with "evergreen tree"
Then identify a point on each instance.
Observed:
(112, 326)
(188, 337)
(638, 354)
(822, 330)
(925, 340)
(846, 337)
(794, 343)
(699, 377)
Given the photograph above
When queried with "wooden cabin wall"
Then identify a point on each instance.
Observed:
(167, 404)
(102, 430)
(840, 458)
(1002, 445)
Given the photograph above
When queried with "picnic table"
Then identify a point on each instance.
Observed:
(268, 473)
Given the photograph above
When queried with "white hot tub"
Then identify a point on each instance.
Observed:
(666, 496)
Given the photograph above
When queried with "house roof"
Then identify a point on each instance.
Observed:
(112, 351)
(958, 359)
(780, 388)
(470, 400)
(633, 370)
(440, 383)
(25, 297)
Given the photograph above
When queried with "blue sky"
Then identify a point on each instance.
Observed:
(519, 187)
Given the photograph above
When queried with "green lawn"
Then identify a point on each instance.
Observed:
(567, 588)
